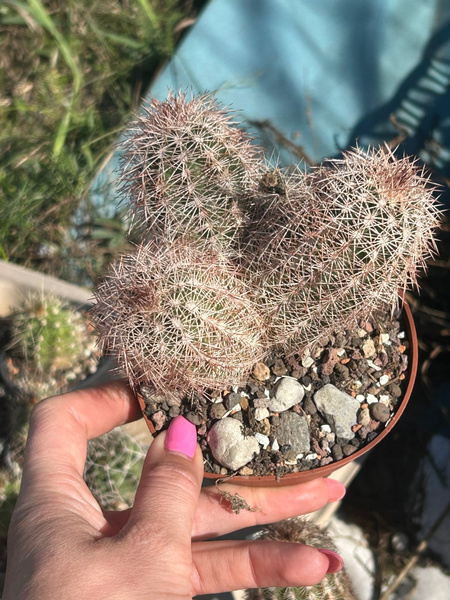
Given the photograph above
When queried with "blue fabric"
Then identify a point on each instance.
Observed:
(324, 73)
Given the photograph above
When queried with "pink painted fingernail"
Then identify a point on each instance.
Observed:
(336, 490)
(181, 437)
(336, 562)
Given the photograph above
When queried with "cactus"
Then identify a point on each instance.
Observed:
(342, 241)
(334, 586)
(179, 319)
(185, 172)
(113, 468)
(54, 341)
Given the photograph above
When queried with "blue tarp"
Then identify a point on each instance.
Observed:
(324, 73)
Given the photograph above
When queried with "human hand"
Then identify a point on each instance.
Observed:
(63, 546)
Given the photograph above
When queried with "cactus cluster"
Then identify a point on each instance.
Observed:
(334, 586)
(53, 340)
(237, 257)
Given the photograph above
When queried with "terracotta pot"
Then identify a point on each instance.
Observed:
(292, 478)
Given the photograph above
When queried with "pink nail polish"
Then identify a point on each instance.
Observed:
(336, 490)
(336, 562)
(181, 437)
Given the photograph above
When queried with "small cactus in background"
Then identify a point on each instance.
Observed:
(342, 241)
(185, 172)
(179, 319)
(113, 469)
(54, 341)
(334, 586)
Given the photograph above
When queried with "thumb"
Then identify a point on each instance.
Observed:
(167, 495)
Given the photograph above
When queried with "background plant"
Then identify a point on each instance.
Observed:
(70, 74)
(113, 469)
(334, 586)
(53, 343)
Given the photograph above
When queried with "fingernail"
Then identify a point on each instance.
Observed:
(181, 437)
(336, 490)
(336, 562)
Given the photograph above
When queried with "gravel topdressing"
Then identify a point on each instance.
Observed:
(367, 363)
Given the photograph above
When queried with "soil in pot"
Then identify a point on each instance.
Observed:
(301, 411)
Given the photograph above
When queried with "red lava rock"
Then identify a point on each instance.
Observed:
(330, 358)
(368, 327)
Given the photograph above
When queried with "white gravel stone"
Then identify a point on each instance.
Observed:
(288, 392)
(339, 408)
(311, 456)
(325, 428)
(384, 379)
(275, 446)
(229, 445)
(401, 335)
(384, 399)
(260, 413)
(262, 439)
(372, 365)
(360, 397)
(371, 399)
(307, 362)
(369, 348)
(384, 338)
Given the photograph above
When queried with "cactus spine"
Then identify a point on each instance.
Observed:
(334, 586)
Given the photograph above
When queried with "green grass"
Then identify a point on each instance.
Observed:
(71, 74)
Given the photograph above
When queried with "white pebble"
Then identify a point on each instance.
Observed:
(261, 413)
(311, 456)
(384, 338)
(308, 387)
(262, 439)
(360, 398)
(384, 399)
(362, 333)
(307, 362)
(357, 384)
(266, 392)
(373, 365)
(401, 335)
(325, 428)
(371, 399)
(384, 379)
(340, 351)
(275, 446)
(299, 456)
(314, 369)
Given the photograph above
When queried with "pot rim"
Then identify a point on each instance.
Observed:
(315, 473)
